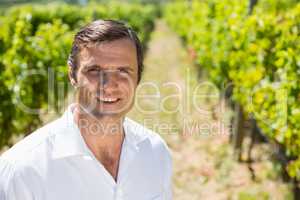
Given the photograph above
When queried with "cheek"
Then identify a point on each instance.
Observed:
(87, 82)
(127, 85)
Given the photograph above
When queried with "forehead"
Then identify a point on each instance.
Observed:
(109, 53)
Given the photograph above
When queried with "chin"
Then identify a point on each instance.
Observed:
(110, 113)
(102, 114)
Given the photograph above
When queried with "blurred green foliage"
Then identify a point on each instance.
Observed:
(35, 41)
(250, 196)
(258, 54)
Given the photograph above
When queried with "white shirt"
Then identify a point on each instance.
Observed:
(54, 163)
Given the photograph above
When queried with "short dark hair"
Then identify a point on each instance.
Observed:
(100, 31)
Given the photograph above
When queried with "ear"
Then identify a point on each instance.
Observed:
(71, 78)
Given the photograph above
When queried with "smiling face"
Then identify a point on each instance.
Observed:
(107, 77)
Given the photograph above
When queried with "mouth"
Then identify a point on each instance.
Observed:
(108, 100)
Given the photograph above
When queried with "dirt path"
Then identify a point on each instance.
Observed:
(202, 157)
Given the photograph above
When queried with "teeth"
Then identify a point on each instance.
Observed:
(108, 99)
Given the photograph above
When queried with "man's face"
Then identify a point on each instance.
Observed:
(107, 78)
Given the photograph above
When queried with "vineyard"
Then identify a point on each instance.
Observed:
(254, 56)
(250, 50)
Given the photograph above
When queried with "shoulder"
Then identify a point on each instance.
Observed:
(18, 180)
(35, 143)
(20, 165)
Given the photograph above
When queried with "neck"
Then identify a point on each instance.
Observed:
(103, 134)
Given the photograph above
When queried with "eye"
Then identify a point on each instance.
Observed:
(123, 70)
(93, 71)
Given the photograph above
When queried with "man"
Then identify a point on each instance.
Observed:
(93, 151)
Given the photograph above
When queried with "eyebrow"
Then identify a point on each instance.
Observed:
(91, 66)
(126, 67)
(98, 66)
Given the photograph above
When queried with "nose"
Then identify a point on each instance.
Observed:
(108, 80)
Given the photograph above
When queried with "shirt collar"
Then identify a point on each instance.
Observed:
(69, 142)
